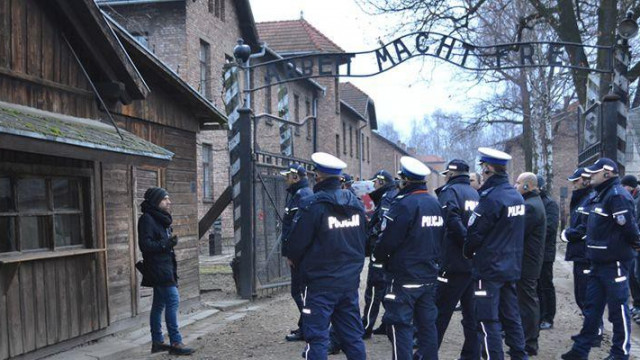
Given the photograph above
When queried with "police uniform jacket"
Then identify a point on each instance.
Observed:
(553, 217)
(296, 192)
(458, 199)
(535, 228)
(382, 199)
(577, 230)
(330, 238)
(412, 230)
(612, 231)
(496, 231)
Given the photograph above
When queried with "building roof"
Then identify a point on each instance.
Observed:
(96, 45)
(358, 101)
(295, 36)
(94, 138)
(157, 72)
(396, 146)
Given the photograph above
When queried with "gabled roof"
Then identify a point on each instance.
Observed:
(359, 102)
(96, 45)
(396, 146)
(157, 72)
(295, 36)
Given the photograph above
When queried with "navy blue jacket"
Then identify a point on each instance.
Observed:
(330, 238)
(495, 235)
(552, 210)
(612, 230)
(382, 198)
(577, 230)
(295, 193)
(412, 231)
(458, 199)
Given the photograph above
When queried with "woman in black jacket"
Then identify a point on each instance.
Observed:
(159, 269)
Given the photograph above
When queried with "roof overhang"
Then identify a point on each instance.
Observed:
(354, 111)
(36, 131)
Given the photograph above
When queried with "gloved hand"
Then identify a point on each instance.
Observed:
(173, 241)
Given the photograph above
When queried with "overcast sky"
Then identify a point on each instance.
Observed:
(403, 94)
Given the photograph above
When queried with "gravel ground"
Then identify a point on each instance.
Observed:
(259, 332)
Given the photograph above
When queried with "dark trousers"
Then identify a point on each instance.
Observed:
(405, 304)
(373, 294)
(634, 283)
(547, 293)
(529, 305)
(581, 272)
(451, 289)
(496, 303)
(608, 285)
(339, 308)
(296, 292)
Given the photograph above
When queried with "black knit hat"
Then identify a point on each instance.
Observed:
(155, 195)
(629, 180)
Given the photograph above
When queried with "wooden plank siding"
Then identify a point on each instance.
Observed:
(36, 67)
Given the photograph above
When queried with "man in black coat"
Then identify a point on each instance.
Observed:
(546, 290)
(630, 183)
(535, 224)
(159, 269)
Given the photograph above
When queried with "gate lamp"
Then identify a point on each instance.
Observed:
(628, 28)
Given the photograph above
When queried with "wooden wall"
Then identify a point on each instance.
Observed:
(37, 68)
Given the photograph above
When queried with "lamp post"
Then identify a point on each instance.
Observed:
(615, 105)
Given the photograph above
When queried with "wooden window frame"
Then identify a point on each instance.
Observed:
(205, 69)
(208, 149)
(86, 201)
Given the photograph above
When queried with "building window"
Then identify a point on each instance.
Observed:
(358, 146)
(296, 112)
(337, 144)
(267, 100)
(43, 212)
(368, 157)
(337, 95)
(219, 8)
(142, 38)
(307, 105)
(350, 140)
(204, 87)
(344, 138)
(210, 6)
(207, 188)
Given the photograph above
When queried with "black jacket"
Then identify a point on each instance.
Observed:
(412, 231)
(330, 238)
(382, 199)
(612, 231)
(553, 218)
(154, 231)
(496, 231)
(295, 193)
(535, 228)
(577, 230)
(458, 199)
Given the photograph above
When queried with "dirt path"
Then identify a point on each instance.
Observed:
(259, 333)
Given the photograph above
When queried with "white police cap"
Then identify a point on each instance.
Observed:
(493, 156)
(327, 163)
(413, 168)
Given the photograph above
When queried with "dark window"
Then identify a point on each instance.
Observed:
(42, 212)
(267, 100)
(204, 87)
(368, 157)
(358, 147)
(210, 6)
(337, 144)
(207, 189)
(296, 112)
(337, 95)
(344, 138)
(307, 105)
(219, 9)
(351, 140)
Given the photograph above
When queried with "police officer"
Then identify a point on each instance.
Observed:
(328, 251)
(612, 236)
(458, 199)
(495, 238)
(385, 190)
(412, 230)
(298, 188)
(575, 236)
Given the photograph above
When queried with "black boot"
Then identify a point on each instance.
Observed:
(158, 347)
(296, 335)
(573, 355)
(180, 349)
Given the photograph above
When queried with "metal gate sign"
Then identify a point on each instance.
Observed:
(450, 49)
